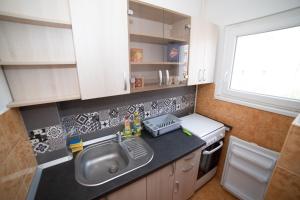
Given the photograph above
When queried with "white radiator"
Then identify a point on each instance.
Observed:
(248, 168)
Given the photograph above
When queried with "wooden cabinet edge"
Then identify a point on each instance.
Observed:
(37, 64)
(34, 20)
(42, 101)
(154, 87)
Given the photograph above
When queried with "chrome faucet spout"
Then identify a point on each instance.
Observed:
(119, 136)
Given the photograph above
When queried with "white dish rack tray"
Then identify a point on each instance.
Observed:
(163, 124)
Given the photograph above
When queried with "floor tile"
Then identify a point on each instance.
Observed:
(212, 191)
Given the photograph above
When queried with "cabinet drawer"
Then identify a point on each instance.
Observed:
(190, 159)
(186, 175)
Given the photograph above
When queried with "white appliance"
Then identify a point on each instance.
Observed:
(248, 168)
(212, 132)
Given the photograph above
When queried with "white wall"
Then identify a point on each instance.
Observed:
(5, 96)
(224, 12)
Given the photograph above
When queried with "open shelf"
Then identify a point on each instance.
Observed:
(157, 63)
(157, 36)
(154, 87)
(31, 85)
(145, 38)
(34, 20)
(42, 101)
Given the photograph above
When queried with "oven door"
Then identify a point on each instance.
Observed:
(210, 158)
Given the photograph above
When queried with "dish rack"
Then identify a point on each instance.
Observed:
(163, 124)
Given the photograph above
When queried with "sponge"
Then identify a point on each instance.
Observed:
(76, 144)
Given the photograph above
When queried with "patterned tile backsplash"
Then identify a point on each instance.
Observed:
(53, 138)
(47, 139)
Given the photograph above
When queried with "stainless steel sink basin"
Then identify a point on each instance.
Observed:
(105, 161)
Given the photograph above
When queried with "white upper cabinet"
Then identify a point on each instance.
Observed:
(100, 31)
(203, 44)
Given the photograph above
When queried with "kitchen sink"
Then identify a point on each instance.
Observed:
(105, 161)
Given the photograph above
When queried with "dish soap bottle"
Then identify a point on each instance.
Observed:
(137, 127)
(127, 127)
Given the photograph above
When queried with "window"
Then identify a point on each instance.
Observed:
(268, 64)
(261, 64)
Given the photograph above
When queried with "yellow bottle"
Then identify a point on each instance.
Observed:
(127, 127)
(137, 127)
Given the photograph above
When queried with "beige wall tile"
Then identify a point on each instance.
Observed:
(212, 191)
(10, 165)
(290, 155)
(284, 186)
(266, 129)
(28, 178)
(8, 189)
(17, 160)
(22, 193)
(24, 155)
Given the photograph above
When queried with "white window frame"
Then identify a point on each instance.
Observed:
(226, 51)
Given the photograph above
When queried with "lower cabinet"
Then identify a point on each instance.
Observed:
(160, 184)
(174, 182)
(134, 191)
(186, 175)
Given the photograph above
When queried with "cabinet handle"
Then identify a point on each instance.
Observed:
(130, 12)
(176, 186)
(190, 157)
(199, 75)
(204, 79)
(188, 169)
(125, 81)
(167, 77)
(173, 169)
(160, 77)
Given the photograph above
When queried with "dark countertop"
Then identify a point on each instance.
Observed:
(58, 182)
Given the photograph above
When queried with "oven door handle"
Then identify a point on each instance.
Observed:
(214, 150)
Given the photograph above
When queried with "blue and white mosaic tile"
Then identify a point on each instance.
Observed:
(47, 139)
(53, 138)
(91, 122)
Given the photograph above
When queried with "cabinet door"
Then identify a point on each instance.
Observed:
(100, 30)
(203, 45)
(211, 39)
(159, 44)
(186, 175)
(135, 191)
(160, 184)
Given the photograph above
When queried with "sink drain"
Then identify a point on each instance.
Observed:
(113, 169)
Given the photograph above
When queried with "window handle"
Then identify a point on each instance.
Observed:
(225, 77)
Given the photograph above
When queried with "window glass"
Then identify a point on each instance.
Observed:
(268, 64)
